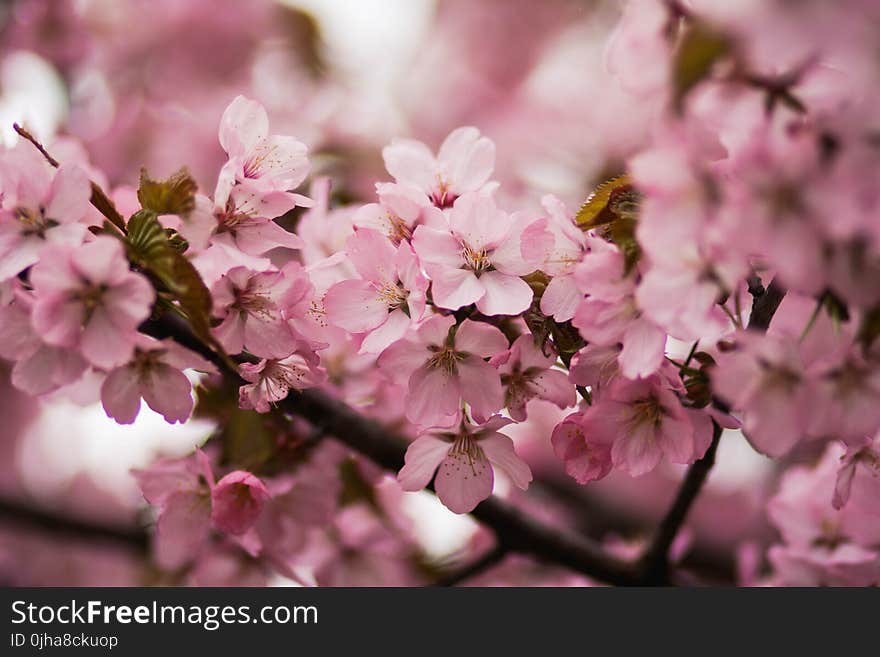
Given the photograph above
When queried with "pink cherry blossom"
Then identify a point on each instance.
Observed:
(251, 306)
(477, 259)
(237, 501)
(88, 299)
(401, 208)
(181, 489)
(271, 380)
(38, 207)
(464, 462)
(386, 300)
(556, 245)
(155, 374)
(463, 164)
(444, 366)
(586, 458)
(526, 373)
(39, 368)
(269, 163)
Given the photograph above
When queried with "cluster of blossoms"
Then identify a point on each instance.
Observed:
(437, 310)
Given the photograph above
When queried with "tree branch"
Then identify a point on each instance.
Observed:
(481, 565)
(29, 517)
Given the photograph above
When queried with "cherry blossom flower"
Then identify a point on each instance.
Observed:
(38, 206)
(155, 374)
(464, 461)
(444, 366)
(463, 164)
(271, 380)
(477, 259)
(270, 163)
(251, 305)
(181, 490)
(386, 300)
(237, 501)
(586, 459)
(526, 373)
(556, 245)
(88, 299)
(401, 208)
(39, 368)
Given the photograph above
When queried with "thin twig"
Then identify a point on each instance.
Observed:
(478, 567)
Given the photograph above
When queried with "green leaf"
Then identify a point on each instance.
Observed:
(699, 50)
(150, 248)
(612, 210)
(174, 195)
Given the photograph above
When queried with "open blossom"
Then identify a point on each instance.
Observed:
(252, 308)
(642, 421)
(155, 374)
(269, 163)
(555, 245)
(39, 368)
(765, 379)
(477, 259)
(463, 164)
(859, 477)
(244, 223)
(236, 502)
(271, 380)
(386, 300)
(181, 490)
(609, 315)
(38, 206)
(444, 366)
(464, 461)
(88, 299)
(401, 208)
(526, 373)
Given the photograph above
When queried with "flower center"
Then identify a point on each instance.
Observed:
(445, 359)
(475, 260)
(392, 295)
(467, 449)
(33, 221)
(646, 411)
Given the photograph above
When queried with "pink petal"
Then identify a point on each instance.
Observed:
(121, 395)
(479, 338)
(462, 482)
(392, 330)
(103, 344)
(644, 346)
(69, 194)
(561, 298)
(410, 161)
(454, 288)
(499, 450)
(480, 387)
(182, 528)
(505, 295)
(243, 125)
(423, 457)
(437, 247)
(434, 398)
(168, 392)
(355, 306)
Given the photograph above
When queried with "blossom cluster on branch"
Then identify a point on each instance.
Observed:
(447, 309)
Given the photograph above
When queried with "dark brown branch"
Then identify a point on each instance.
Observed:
(492, 558)
(765, 305)
(654, 564)
(26, 516)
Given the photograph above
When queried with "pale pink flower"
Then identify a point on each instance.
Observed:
(638, 51)
(477, 259)
(594, 367)
(555, 245)
(271, 380)
(39, 368)
(270, 163)
(244, 223)
(237, 501)
(609, 315)
(386, 300)
(765, 380)
(252, 308)
(859, 477)
(155, 374)
(644, 421)
(464, 461)
(38, 206)
(88, 299)
(586, 458)
(445, 367)
(181, 489)
(401, 208)
(527, 373)
(463, 164)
